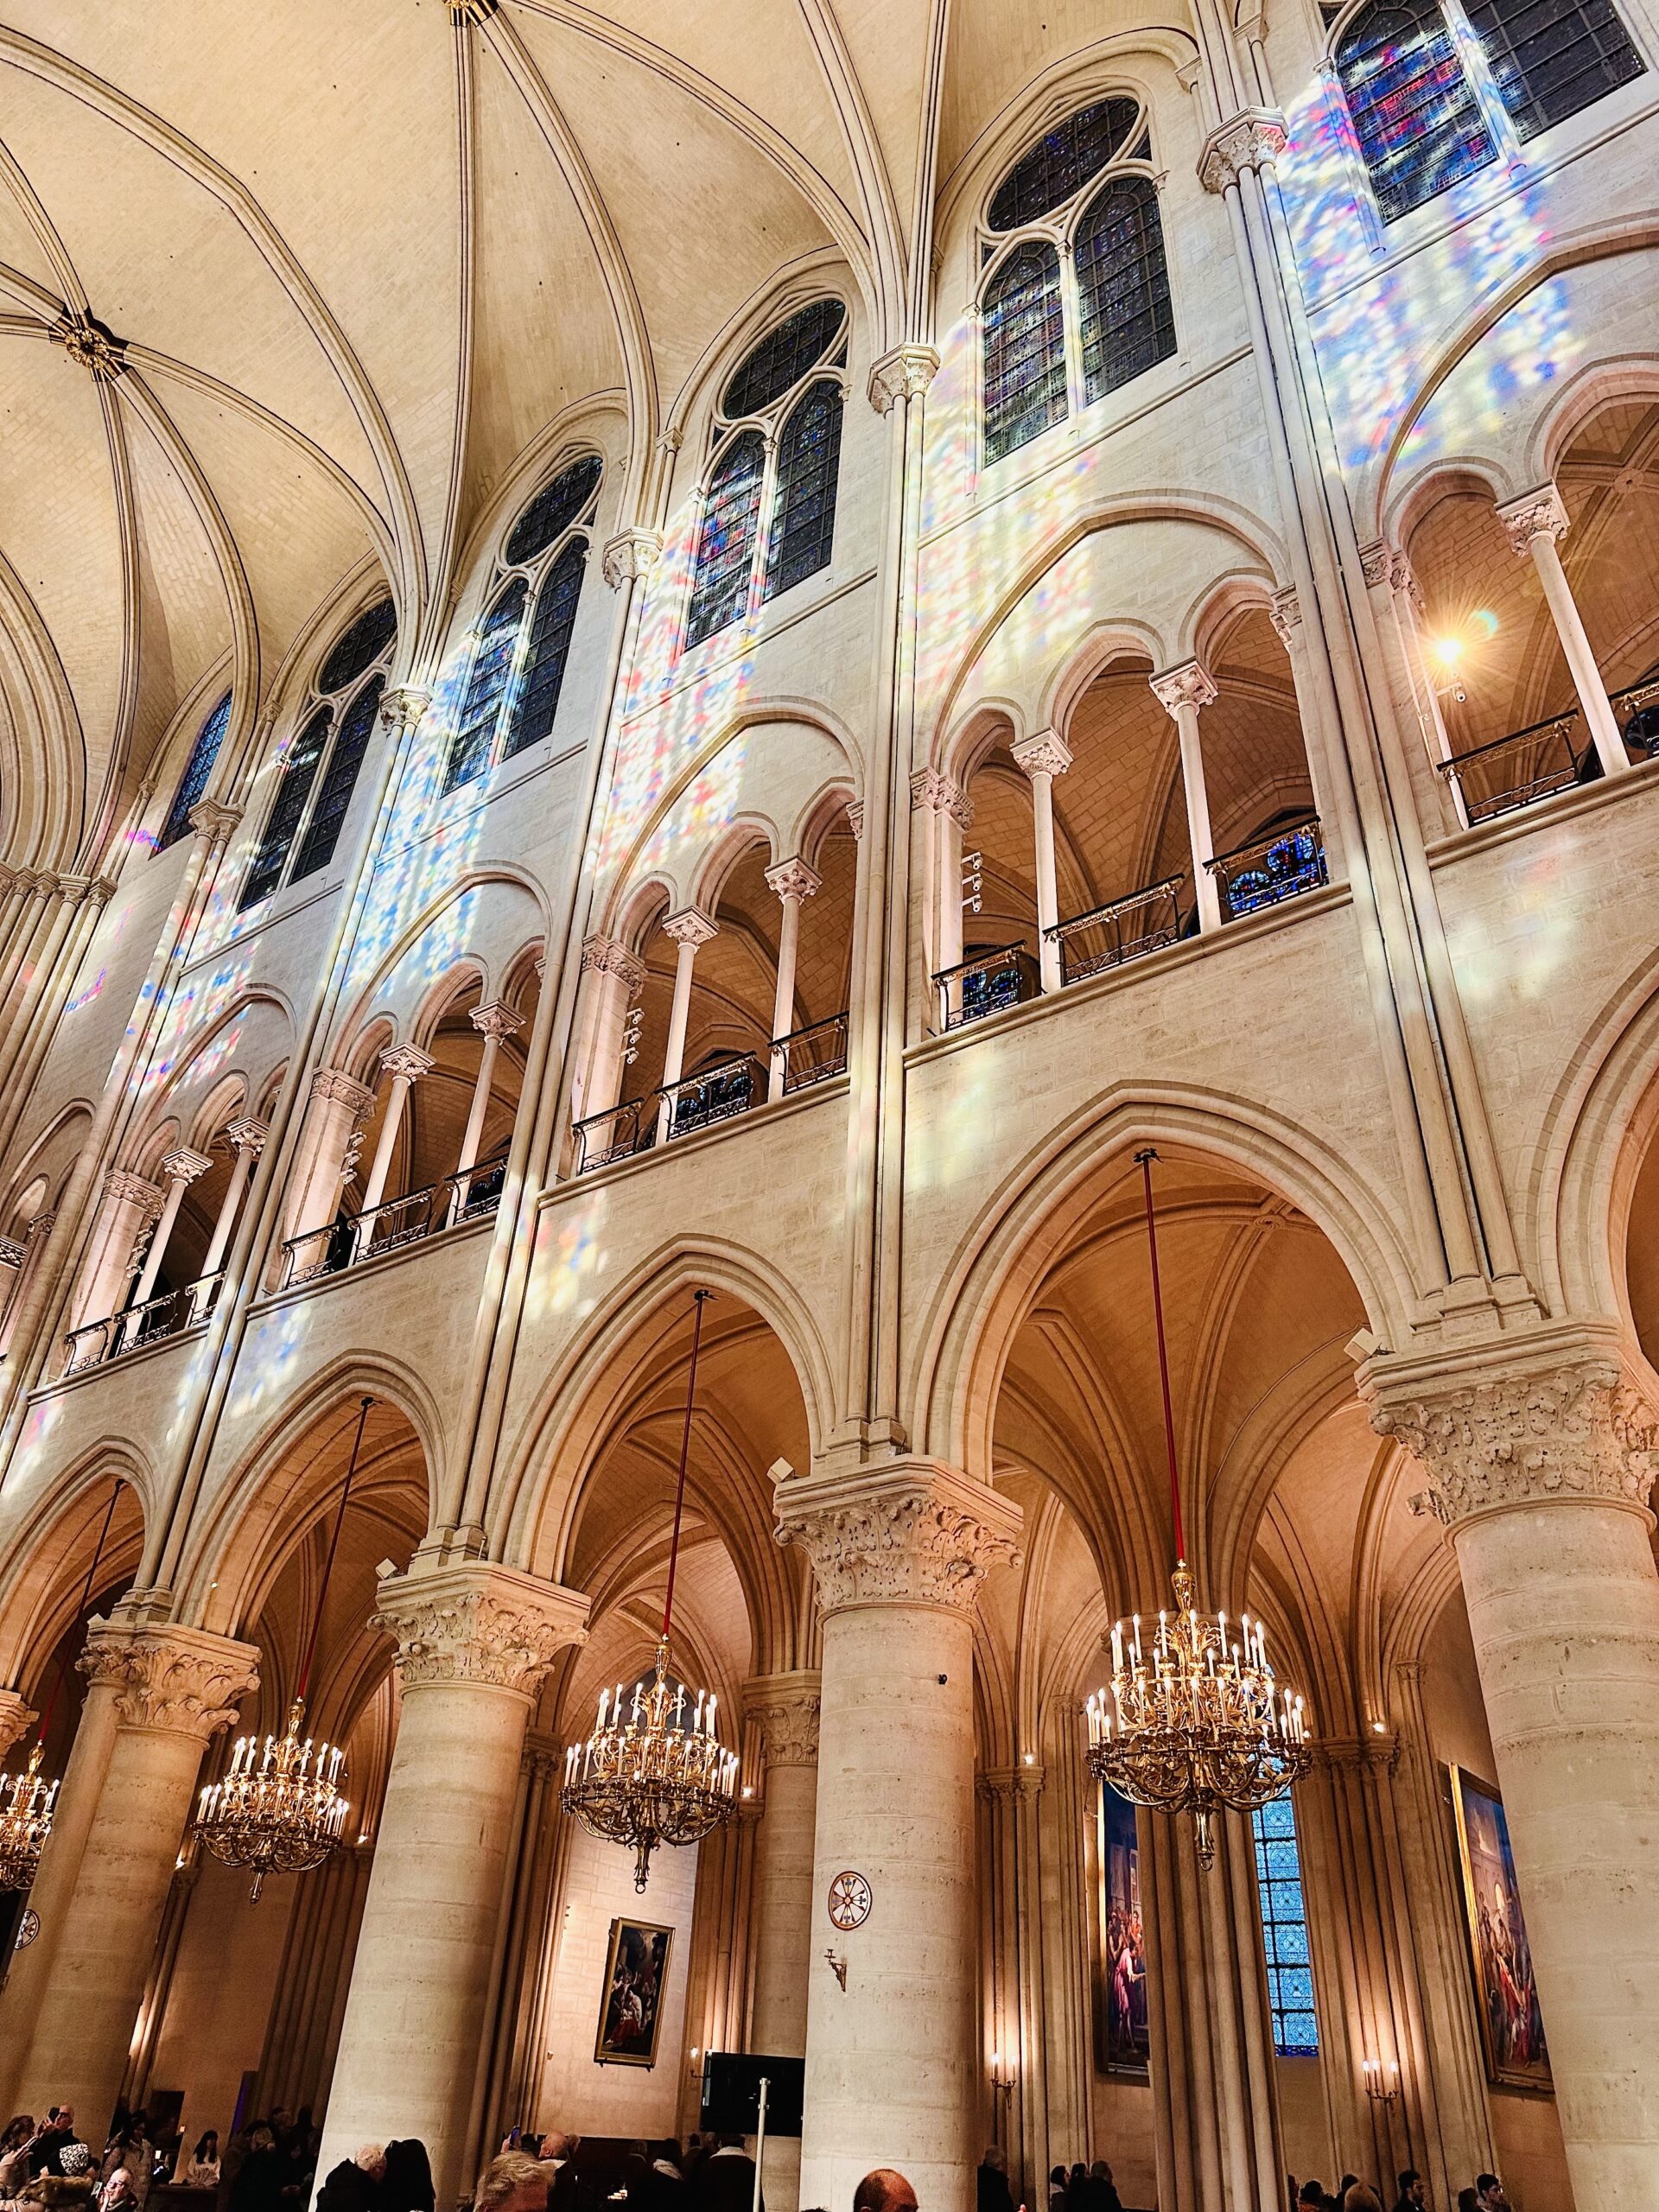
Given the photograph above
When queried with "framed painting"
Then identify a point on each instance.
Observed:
(1506, 1994)
(1126, 2042)
(630, 2006)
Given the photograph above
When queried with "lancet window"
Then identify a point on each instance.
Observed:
(197, 769)
(769, 507)
(1284, 1930)
(321, 766)
(1075, 299)
(522, 644)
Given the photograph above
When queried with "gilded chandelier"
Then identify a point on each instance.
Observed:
(279, 1809)
(1194, 1721)
(26, 1804)
(649, 1774)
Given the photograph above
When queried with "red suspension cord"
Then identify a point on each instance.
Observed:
(1143, 1160)
(703, 1297)
(328, 1563)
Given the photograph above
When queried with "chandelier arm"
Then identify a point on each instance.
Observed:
(701, 1296)
(328, 1563)
(1143, 1160)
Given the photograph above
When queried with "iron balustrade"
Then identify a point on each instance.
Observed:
(716, 1093)
(813, 1054)
(168, 1314)
(1281, 865)
(1124, 929)
(474, 1191)
(1507, 772)
(985, 985)
(471, 1195)
(617, 1134)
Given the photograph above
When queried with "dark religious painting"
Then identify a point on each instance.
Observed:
(1124, 1944)
(636, 1980)
(1506, 1994)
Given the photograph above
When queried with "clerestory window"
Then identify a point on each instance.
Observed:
(197, 769)
(1075, 299)
(321, 766)
(522, 643)
(769, 502)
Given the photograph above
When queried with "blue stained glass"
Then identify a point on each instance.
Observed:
(362, 645)
(299, 773)
(197, 769)
(1284, 1930)
(339, 780)
(550, 629)
(1129, 325)
(1550, 58)
(1419, 127)
(1025, 350)
(553, 510)
(1061, 163)
(720, 587)
(782, 359)
(804, 505)
(487, 686)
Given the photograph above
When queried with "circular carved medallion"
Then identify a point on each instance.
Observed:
(850, 1900)
(27, 1928)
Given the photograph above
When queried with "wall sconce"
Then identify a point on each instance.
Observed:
(998, 2079)
(1381, 2085)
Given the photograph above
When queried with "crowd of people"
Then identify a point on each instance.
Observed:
(712, 2170)
(1352, 2194)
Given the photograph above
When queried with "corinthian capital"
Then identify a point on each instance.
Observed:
(181, 1680)
(1043, 754)
(915, 1533)
(184, 1164)
(130, 1190)
(786, 1708)
(1540, 512)
(475, 1623)
(793, 879)
(629, 556)
(1525, 1422)
(404, 708)
(215, 823)
(498, 1021)
(408, 1061)
(1252, 139)
(604, 955)
(934, 793)
(342, 1089)
(691, 926)
(17, 1717)
(1189, 686)
(904, 373)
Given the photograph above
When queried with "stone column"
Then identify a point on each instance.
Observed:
(404, 1064)
(171, 1689)
(786, 1707)
(1536, 523)
(1540, 1467)
(246, 1138)
(946, 811)
(1181, 692)
(614, 981)
(325, 1155)
(35, 1240)
(1042, 758)
(126, 1209)
(494, 1023)
(893, 2069)
(474, 1642)
(688, 929)
(795, 883)
(181, 1168)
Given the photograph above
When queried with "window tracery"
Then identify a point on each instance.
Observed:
(197, 769)
(769, 510)
(1284, 1930)
(1077, 301)
(523, 644)
(320, 769)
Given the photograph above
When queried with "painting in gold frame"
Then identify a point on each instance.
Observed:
(636, 1986)
(1506, 1989)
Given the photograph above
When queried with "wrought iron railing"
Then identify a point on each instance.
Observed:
(472, 1195)
(1507, 772)
(716, 1093)
(168, 1314)
(617, 1134)
(1636, 711)
(985, 985)
(813, 1054)
(1123, 930)
(1281, 865)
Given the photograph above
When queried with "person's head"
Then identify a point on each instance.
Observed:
(513, 2182)
(995, 2159)
(1312, 2192)
(557, 2145)
(1079, 2172)
(408, 2173)
(1411, 2186)
(1345, 2185)
(667, 2153)
(74, 2159)
(1490, 2189)
(261, 2138)
(64, 2116)
(884, 2191)
(18, 2131)
(1057, 2177)
(370, 2157)
(1357, 2198)
(1100, 2170)
(281, 2120)
(1468, 2200)
(208, 2146)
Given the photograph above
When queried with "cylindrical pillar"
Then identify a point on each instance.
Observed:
(173, 1688)
(613, 981)
(326, 1154)
(247, 1140)
(181, 1168)
(474, 1645)
(404, 1064)
(1528, 1452)
(688, 929)
(787, 1707)
(1042, 758)
(128, 1205)
(1181, 692)
(794, 882)
(1536, 523)
(494, 1023)
(892, 2045)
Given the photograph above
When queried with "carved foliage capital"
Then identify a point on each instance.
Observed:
(1540, 512)
(184, 1164)
(905, 373)
(130, 1190)
(1189, 686)
(786, 1707)
(691, 926)
(340, 1088)
(247, 1135)
(629, 555)
(402, 709)
(793, 879)
(915, 1534)
(483, 1625)
(1043, 754)
(855, 817)
(603, 956)
(182, 1680)
(215, 823)
(939, 794)
(407, 1061)
(1286, 615)
(1253, 139)
(497, 1020)
(17, 1717)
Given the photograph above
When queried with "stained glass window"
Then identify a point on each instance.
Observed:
(552, 510)
(550, 628)
(720, 585)
(782, 359)
(339, 780)
(1024, 349)
(486, 684)
(1129, 324)
(1061, 163)
(197, 769)
(1284, 1929)
(1550, 58)
(1413, 113)
(804, 505)
(299, 773)
(360, 647)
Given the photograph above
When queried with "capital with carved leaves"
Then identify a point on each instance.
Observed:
(914, 1532)
(604, 955)
(497, 1020)
(127, 1189)
(1286, 615)
(630, 556)
(488, 1626)
(403, 708)
(1189, 686)
(17, 1717)
(184, 1681)
(184, 1165)
(786, 1707)
(793, 879)
(904, 373)
(932, 792)
(1551, 1416)
(691, 926)
(407, 1061)
(1252, 139)
(1043, 754)
(339, 1089)
(247, 1135)
(1540, 512)
(215, 824)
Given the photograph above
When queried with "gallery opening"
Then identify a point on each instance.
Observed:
(829, 1106)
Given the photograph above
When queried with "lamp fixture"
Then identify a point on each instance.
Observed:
(1194, 1720)
(27, 1801)
(1382, 2084)
(278, 1809)
(1004, 2082)
(650, 1773)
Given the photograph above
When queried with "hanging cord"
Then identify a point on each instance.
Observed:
(1143, 1160)
(328, 1563)
(703, 1297)
(86, 1600)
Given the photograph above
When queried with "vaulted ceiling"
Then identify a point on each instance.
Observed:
(355, 260)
